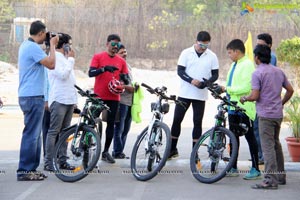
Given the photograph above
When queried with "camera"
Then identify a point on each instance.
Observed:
(50, 35)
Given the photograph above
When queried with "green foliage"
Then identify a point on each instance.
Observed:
(289, 51)
(164, 20)
(6, 11)
(292, 110)
(158, 45)
(4, 57)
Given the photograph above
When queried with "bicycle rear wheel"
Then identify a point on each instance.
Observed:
(211, 158)
(150, 152)
(82, 152)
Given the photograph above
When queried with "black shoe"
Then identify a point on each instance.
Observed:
(107, 157)
(173, 154)
(48, 168)
(261, 162)
(197, 158)
(281, 182)
(120, 156)
(66, 166)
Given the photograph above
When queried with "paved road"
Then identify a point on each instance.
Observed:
(116, 182)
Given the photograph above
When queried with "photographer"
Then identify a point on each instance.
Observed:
(62, 98)
(31, 62)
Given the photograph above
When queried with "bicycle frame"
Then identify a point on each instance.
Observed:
(86, 116)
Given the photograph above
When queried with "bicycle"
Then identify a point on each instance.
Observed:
(152, 147)
(216, 150)
(80, 144)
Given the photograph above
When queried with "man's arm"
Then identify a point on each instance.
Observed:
(49, 61)
(253, 96)
(93, 71)
(288, 94)
(214, 75)
(183, 75)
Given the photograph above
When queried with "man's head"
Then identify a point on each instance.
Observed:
(122, 51)
(203, 40)
(264, 39)
(63, 40)
(262, 54)
(113, 44)
(38, 31)
(235, 49)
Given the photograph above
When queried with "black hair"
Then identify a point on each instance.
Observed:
(236, 44)
(36, 27)
(113, 37)
(63, 39)
(122, 47)
(265, 37)
(203, 36)
(263, 53)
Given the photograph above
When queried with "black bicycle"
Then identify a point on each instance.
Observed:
(152, 147)
(216, 150)
(80, 144)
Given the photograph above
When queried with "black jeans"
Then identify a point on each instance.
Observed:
(251, 140)
(179, 113)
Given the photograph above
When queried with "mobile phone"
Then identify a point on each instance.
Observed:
(67, 48)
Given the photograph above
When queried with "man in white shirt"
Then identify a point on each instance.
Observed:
(62, 98)
(194, 64)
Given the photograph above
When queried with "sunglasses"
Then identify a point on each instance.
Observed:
(118, 44)
(203, 46)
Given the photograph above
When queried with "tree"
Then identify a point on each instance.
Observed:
(6, 12)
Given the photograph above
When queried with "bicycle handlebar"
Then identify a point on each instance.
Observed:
(162, 93)
(213, 88)
(91, 96)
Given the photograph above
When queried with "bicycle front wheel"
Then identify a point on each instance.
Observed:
(80, 149)
(150, 152)
(211, 157)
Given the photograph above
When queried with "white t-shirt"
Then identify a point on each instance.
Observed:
(62, 80)
(197, 68)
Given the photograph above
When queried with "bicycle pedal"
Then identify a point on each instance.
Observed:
(77, 169)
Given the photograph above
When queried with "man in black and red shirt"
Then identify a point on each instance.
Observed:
(107, 67)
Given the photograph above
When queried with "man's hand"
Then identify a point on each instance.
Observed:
(54, 40)
(110, 69)
(243, 99)
(218, 88)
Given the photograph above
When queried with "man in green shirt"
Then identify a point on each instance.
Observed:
(238, 84)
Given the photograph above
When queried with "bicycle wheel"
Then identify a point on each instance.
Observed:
(150, 152)
(82, 152)
(211, 158)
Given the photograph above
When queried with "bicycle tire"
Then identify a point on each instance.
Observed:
(210, 161)
(146, 164)
(85, 154)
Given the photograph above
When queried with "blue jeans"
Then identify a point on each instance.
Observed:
(122, 128)
(30, 151)
(45, 128)
(256, 133)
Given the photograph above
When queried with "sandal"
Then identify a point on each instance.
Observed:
(265, 185)
(31, 176)
(40, 174)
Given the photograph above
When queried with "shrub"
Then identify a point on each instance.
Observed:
(289, 51)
